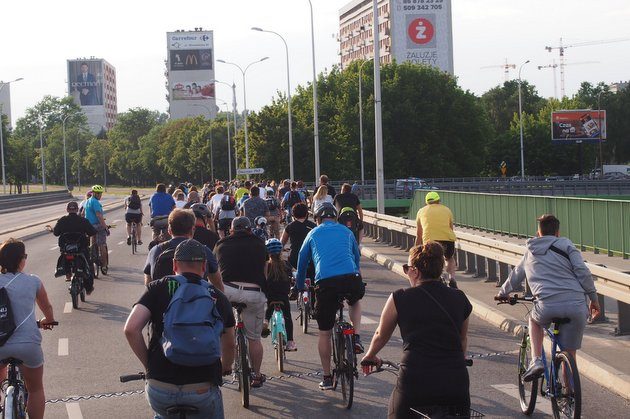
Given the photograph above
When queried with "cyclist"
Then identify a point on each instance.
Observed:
(260, 229)
(94, 214)
(133, 214)
(25, 343)
(434, 222)
(323, 181)
(290, 198)
(227, 211)
(214, 204)
(433, 321)
(242, 190)
(88, 195)
(202, 234)
(296, 231)
(320, 197)
(347, 199)
(161, 205)
(275, 213)
(335, 253)
(304, 191)
(255, 206)
(560, 281)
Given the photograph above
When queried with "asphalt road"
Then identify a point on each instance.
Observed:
(87, 353)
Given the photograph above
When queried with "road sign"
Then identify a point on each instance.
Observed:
(252, 171)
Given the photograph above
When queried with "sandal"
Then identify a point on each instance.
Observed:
(258, 380)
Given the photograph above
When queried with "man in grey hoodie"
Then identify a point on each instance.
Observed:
(560, 281)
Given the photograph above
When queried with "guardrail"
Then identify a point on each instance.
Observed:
(494, 259)
(33, 199)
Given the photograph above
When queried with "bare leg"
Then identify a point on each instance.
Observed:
(451, 266)
(33, 378)
(128, 230)
(256, 354)
(355, 317)
(104, 255)
(324, 345)
(536, 336)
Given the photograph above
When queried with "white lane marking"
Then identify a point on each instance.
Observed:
(122, 242)
(74, 411)
(63, 349)
(54, 248)
(109, 252)
(367, 320)
(542, 404)
(67, 308)
(117, 221)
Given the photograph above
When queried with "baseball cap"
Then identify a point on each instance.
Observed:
(190, 251)
(241, 223)
(432, 197)
(72, 206)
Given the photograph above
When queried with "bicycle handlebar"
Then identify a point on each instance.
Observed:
(47, 326)
(132, 377)
(513, 299)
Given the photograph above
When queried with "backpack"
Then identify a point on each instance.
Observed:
(134, 202)
(272, 204)
(294, 198)
(164, 262)
(7, 322)
(228, 203)
(349, 218)
(192, 325)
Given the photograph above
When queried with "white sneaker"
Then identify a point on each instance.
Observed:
(534, 370)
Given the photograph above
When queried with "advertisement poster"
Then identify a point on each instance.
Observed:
(85, 82)
(193, 90)
(422, 33)
(578, 126)
(189, 59)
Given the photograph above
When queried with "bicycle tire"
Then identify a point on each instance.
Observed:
(74, 293)
(306, 316)
(82, 295)
(336, 365)
(104, 269)
(9, 403)
(301, 310)
(563, 406)
(280, 351)
(348, 370)
(237, 368)
(134, 241)
(528, 402)
(245, 371)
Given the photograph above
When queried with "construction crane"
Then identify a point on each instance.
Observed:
(561, 48)
(506, 67)
(555, 66)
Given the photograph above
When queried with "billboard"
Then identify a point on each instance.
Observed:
(578, 126)
(191, 59)
(85, 82)
(422, 33)
(190, 90)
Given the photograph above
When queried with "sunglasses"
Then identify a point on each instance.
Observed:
(406, 268)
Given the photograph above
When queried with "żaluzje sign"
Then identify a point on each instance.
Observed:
(578, 126)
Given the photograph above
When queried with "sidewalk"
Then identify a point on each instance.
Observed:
(604, 358)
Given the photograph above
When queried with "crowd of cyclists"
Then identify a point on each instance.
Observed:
(226, 243)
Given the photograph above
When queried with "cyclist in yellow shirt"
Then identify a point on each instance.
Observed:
(435, 223)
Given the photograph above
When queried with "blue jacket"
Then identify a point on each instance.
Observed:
(333, 250)
(161, 204)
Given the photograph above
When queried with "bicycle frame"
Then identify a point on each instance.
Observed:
(550, 374)
(277, 325)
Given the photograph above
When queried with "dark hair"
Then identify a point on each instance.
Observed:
(220, 189)
(84, 63)
(428, 259)
(323, 179)
(300, 184)
(299, 210)
(134, 192)
(345, 188)
(193, 188)
(548, 224)
(293, 185)
(276, 269)
(254, 191)
(12, 252)
(160, 187)
(248, 184)
(181, 222)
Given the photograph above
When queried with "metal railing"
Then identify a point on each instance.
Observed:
(32, 199)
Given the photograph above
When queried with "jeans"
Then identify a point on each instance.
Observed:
(209, 403)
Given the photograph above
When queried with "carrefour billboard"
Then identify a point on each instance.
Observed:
(422, 33)
(573, 126)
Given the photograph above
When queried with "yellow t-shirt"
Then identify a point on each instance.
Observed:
(435, 220)
(240, 192)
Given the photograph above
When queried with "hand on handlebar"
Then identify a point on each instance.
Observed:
(370, 364)
(48, 228)
(46, 324)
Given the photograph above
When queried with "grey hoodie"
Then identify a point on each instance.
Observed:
(551, 276)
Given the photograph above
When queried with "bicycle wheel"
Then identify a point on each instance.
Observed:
(245, 371)
(134, 240)
(347, 377)
(336, 363)
(280, 351)
(566, 400)
(305, 316)
(74, 292)
(9, 408)
(527, 391)
(104, 269)
(96, 260)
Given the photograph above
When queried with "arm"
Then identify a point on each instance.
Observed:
(216, 280)
(303, 260)
(227, 349)
(360, 212)
(418, 233)
(44, 305)
(137, 320)
(285, 238)
(101, 219)
(355, 250)
(386, 327)
(585, 278)
(57, 230)
(516, 278)
(464, 336)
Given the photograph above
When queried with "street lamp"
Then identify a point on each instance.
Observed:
(286, 48)
(227, 123)
(361, 120)
(520, 118)
(4, 179)
(378, 120)
(211, 154)
(233, 87)
(41, 152)
(245, 101)
(315, 118)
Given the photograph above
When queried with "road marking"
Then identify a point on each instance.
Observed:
(54, 248)
(62, 349)
(122, 242)
(74, 411)
(367, 320)
(109, 252)
(67, 308)
(542, 404)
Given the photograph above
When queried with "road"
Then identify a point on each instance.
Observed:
(87, 353)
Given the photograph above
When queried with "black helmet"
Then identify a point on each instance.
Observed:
(325, 210)
(200, 210)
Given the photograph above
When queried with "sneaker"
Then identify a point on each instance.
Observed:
(128, 240)
(327, 383)
(358, 346)
(265, 330)
(258, 380)
(89, 291)
(452, 283)
(139, 242)
(291, 346)
(534, 370)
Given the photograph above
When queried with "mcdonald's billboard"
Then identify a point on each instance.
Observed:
(191, 59)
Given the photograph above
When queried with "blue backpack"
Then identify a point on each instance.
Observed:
(192, 325)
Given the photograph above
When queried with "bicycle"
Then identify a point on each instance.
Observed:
(561, 377)
(344, 357)
(134, 238)
(95, 253)
(278, 333)
(13, 387)
(242, 368)
(177, 409)
(74, 257)
(304, 306)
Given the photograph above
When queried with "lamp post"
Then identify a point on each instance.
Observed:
(378, 123)
(233, 87)
(211, 154)
(4, 179)
(41, 152)
(315, 118)
(65, 161)
(601, 127)
(244, 101)
(361, 121)
(520, 118)
(227, 123)
(286, 48)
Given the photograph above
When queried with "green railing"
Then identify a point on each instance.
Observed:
(594, 224)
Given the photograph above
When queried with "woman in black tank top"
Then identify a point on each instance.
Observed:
(433, 321)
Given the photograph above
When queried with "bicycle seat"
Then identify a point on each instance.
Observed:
(181, 408)
(13, 361)
(560, 320)
(276, 303)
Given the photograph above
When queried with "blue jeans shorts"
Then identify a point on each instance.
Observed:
(204, 396)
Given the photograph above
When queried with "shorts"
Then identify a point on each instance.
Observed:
(225, 224)
(570, 336)
(101, 234)
(252, 315)
(449, 248)
(133, 218)
(159, 222)
(30, 354)
(326, 301)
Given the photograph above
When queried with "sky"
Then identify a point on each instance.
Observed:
(38, 36)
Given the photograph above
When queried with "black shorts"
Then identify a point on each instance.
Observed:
(449, 249)
(326, 301)
(133, 218)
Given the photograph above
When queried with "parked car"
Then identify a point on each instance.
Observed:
(406, 187)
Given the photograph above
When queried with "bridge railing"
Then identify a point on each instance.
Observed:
(494, 259)
(33, 199)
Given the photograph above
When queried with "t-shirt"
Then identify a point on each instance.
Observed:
(435, 220)
(206, 237)
(242, 258)
(22, 293)
(331, 190)
(73, 223)
(297, 232)
(293, 197)
(179, 204)
(161, 204)
(255, 207)
(278, 289)
(318, 202)
(282, 191)
(215, 203)
(154, 253)
(156, 298)
(131, 210)
(240, 192)
(347, 199)
(93, 206)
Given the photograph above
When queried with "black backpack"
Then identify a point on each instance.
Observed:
(164, 262)
(228, 203)
(349, 218)
(134, 202)
(294, 198)
(7, 322)
(272, 204)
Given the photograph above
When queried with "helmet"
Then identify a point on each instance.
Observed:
(98, 189)
(260, 221)
(274, 246)
(200, 210)
(432, 197)
(326, 210)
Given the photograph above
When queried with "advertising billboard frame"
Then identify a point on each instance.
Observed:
(94, 83)
(579, 121)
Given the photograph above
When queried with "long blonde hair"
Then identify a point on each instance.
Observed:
(321, 192)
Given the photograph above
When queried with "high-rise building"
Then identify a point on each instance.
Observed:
(190, 74)
(618, 87)
(92, 84)
(416, 31)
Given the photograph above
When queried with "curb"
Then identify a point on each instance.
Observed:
(590, 367)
